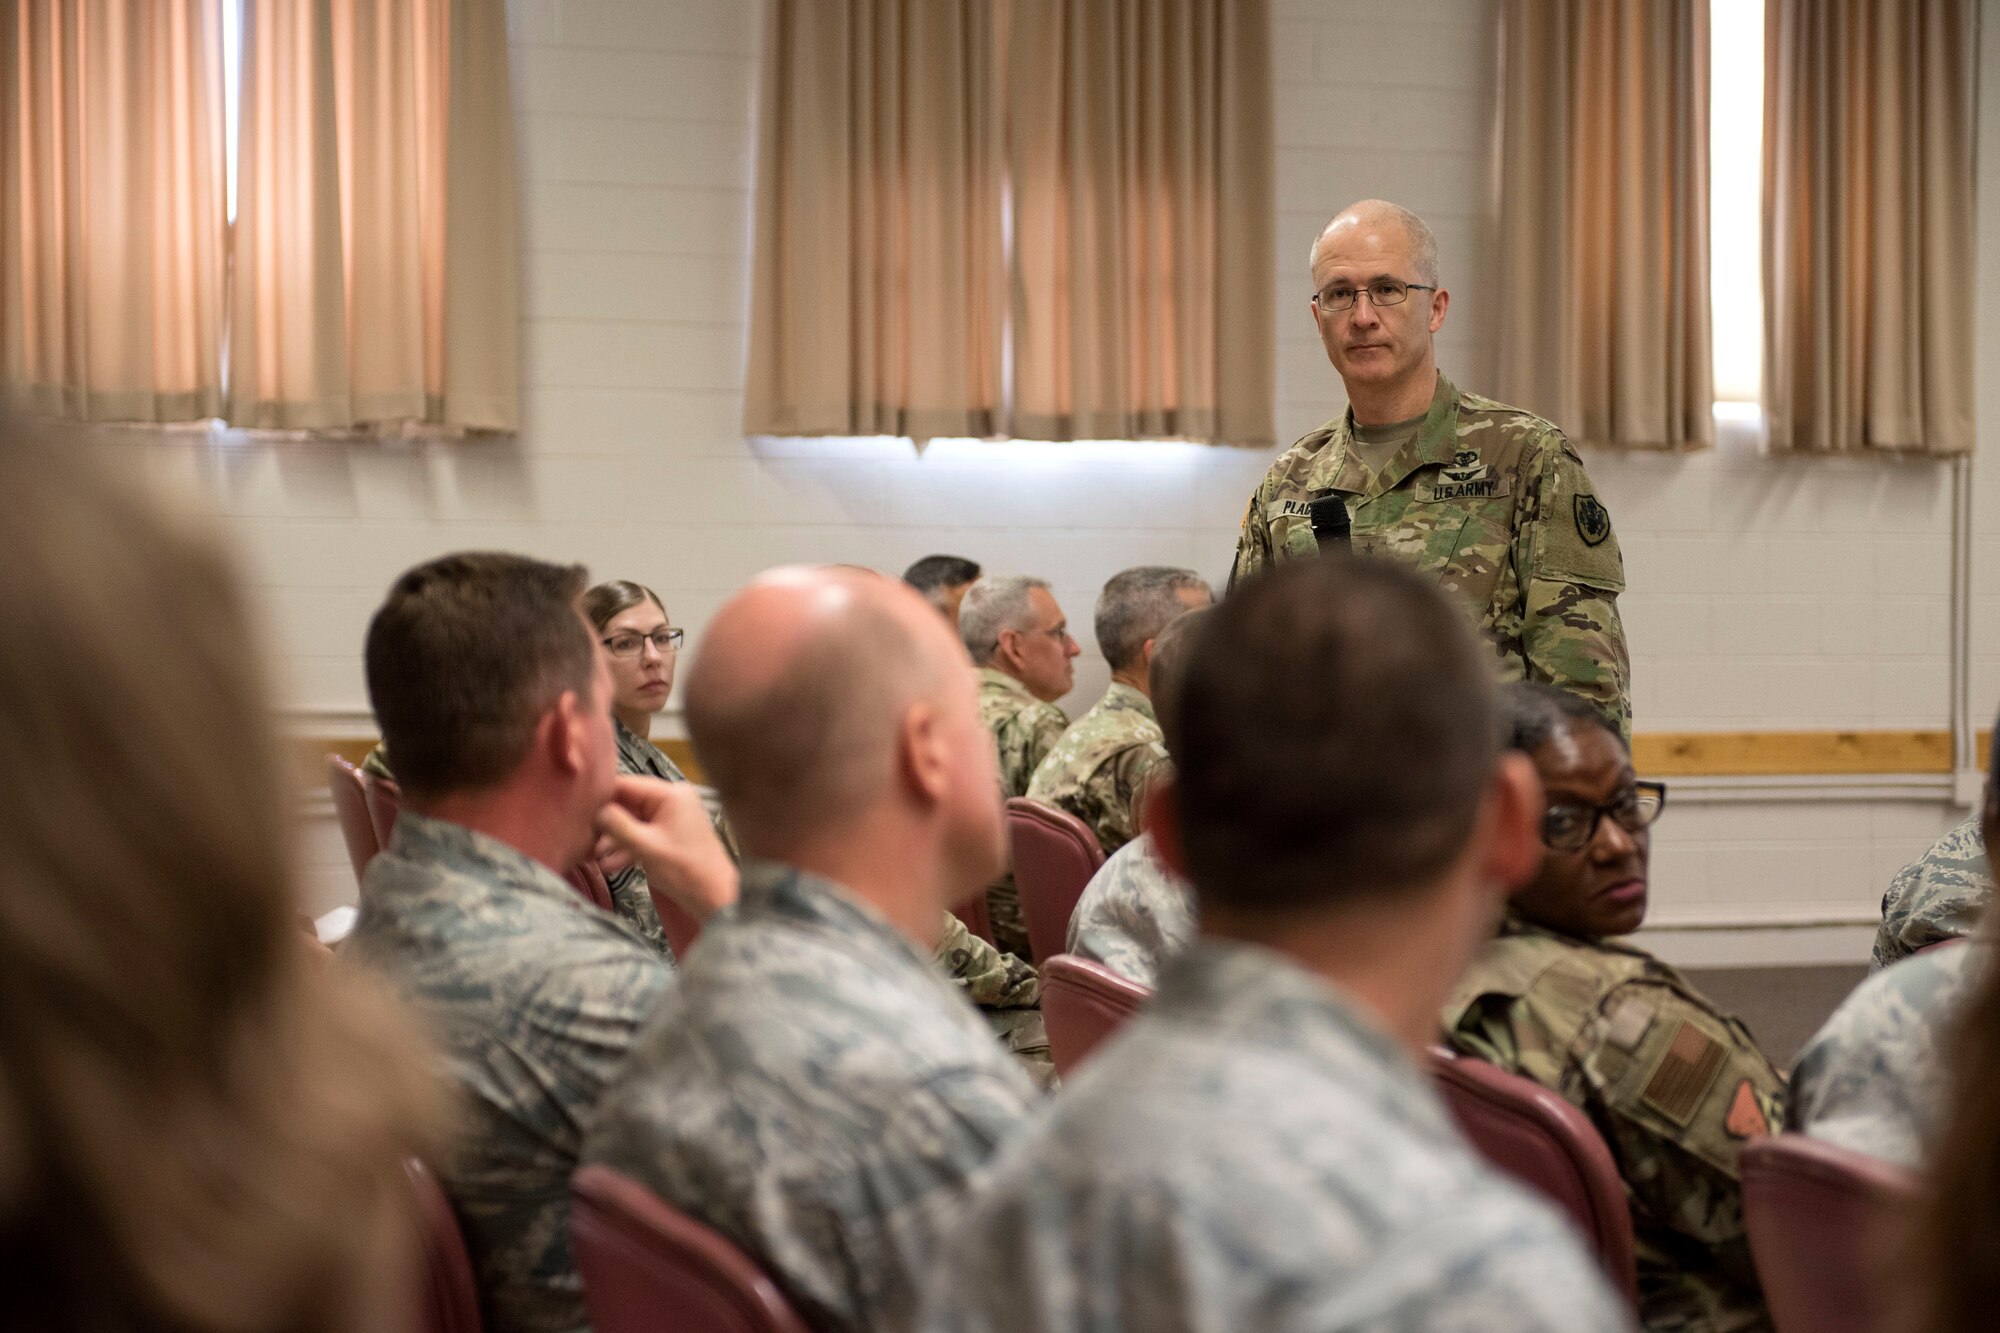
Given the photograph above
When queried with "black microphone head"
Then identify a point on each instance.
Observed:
(1329, 519)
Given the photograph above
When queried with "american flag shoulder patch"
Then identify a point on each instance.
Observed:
(1683, 1074)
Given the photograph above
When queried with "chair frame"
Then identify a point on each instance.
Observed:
(1071, 986)
(1837, 1289)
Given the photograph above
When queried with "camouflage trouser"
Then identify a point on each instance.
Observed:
(1010, 927)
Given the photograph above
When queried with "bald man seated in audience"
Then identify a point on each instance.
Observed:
(1101, 765)
(1135, 914)
(1675, 1085)
(490, 690)
(1942, 895)
(1877, 1078)
(1020, 642)
(1261, 1148)
(812, 1087)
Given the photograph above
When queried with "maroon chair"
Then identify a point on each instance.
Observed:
(1055, 854)
(451, 1293)
(1548, 1145)
(1823, 1227)
(647, 1266)
(348, 786)
(1082, 1004)
(978, 918)
(385, 798)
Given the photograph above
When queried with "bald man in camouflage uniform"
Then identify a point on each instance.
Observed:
(1490, 499)
(1103, 762)
(1674, 1085)
(1939, 896)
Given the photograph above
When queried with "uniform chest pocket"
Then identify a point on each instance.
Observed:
(1465, 550)
(1292, 537)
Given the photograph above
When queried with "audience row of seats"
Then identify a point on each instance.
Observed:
(1812, 1207)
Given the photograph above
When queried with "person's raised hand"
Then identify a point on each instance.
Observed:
(665, 827)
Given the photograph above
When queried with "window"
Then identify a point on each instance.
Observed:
(1736, 202)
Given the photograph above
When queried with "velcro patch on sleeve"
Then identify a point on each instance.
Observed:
(1684, 1073)
(1746, 1119)
(1628, 1023)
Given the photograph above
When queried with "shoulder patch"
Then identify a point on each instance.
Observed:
(1746, 1116)
(1628, 1023)
(1593, 524)
(1683, 1073)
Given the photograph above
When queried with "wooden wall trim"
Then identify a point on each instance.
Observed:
(1666, 754)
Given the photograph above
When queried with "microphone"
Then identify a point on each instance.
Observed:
(1330, 524)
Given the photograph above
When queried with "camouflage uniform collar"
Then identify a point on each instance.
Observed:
(773, 889)
(1003, 682)
(1123, 696)
(456, 848)
(1436, 442)
(1251, 995)
(1514, 924)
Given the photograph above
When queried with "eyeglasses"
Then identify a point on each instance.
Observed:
(665, 642)
(1569, 828)
(1381, 292)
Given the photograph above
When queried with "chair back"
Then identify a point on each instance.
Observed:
(1822, 1223)
(648, 1266)
(1548, 1145)
(1055, 854)
(451, 1292)
(385, 799)
(588, 880)
(1082, 1004)
(978, 918)
(348, 786)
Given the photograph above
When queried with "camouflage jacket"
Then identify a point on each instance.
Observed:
(1007, 990)
(1939, 896)
(1495, 502)
(1024, 728)
(1134, 914)
(1102, 763)
(532, 997)
(1673, 1086)
(630, 893)
(1875, 1078)
(814, 1090)
(1252, 1153)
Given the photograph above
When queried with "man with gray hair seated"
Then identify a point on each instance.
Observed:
(1103, 762)
(1020, 642)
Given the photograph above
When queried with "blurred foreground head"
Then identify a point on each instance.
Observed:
(199, 1127)
(1337, 737)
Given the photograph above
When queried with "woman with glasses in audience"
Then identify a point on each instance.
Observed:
(202, 1126)
(643, 649)
(1674, 1085)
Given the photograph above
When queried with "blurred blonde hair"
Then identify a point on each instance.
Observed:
(199, 1129)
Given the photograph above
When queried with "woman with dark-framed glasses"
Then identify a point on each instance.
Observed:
(1674, 1085)
(642, 650)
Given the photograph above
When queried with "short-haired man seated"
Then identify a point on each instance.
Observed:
(490, 690)
(1100, 767)
(812, 1087)
(1675, 1085)
(1261, 1148)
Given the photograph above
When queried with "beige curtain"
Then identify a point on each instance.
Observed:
(376, 252)
(1141, 150)
(1603, 303)
(111, 208)
(1868, 239)
(877, 296)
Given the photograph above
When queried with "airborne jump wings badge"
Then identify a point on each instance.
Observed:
(1593, 524)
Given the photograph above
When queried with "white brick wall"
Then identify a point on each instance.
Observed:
(1765, 594)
